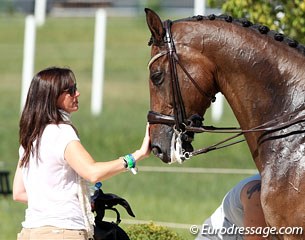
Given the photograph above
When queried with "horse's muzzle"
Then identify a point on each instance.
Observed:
(162, 142)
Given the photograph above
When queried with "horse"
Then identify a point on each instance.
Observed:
(261, 73)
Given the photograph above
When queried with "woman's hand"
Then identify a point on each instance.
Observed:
(145, 149)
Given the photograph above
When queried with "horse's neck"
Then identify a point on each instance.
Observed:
(260, 77)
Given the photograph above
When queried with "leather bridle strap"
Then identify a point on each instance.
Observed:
(270, 126)
(282, 122)
(179, 109)
(212, 99)
(154, 58)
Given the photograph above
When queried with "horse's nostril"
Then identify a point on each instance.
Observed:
(156, 151)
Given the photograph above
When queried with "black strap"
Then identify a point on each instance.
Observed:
(179, 109)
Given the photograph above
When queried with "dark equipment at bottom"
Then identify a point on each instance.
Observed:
(108, 230)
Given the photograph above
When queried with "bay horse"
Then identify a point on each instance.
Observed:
(261, 73)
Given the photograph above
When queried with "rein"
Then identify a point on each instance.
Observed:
(276, 124)
(181, 124)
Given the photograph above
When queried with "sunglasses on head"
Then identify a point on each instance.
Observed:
(71, 90)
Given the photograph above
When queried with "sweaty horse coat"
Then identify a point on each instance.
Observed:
(261, 73)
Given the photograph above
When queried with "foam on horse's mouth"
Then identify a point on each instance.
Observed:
(178, 154)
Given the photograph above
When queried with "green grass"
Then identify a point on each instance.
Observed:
(168, 197)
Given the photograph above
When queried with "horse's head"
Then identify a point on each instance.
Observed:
(182, 87)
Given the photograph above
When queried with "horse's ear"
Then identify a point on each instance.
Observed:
(155, 26)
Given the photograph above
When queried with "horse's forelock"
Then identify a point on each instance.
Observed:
(153, 41)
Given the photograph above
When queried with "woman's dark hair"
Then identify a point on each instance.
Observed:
(41, 107)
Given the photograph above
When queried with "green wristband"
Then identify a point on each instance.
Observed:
(130, 161)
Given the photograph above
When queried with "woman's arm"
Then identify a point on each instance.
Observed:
(19, 192)
(82, 162)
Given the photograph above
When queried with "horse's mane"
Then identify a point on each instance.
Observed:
(258, 27)
(248, 24)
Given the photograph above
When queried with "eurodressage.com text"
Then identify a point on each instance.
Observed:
(262, 231)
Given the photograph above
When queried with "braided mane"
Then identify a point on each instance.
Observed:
(247, 24)
(258, 27)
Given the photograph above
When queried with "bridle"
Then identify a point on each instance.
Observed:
(179, 110)
(179, 121)
(181, 124)
(178, 105)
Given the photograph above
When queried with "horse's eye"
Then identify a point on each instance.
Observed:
(157, 78)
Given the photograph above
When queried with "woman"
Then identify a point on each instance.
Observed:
(53, 164)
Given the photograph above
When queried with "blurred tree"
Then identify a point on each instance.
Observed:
(285, 16)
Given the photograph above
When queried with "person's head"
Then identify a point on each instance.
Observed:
(51, 89)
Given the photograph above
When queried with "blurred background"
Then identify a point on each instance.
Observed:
(176, 196)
